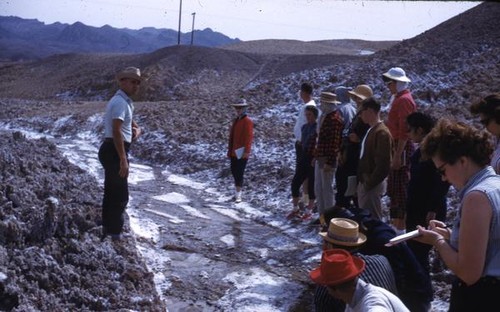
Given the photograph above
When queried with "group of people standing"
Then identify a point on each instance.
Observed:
(413, 159)
(345, 139)
(355, 151)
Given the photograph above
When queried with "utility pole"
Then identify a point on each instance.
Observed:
(192, 28)
(179, 32)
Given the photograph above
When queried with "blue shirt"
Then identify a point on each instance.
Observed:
(119, 107)
(487, 182)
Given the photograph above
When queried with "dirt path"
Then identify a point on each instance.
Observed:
(208, 253)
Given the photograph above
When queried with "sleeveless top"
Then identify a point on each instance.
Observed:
(487, 182)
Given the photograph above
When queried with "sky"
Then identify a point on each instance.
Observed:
(305, 20)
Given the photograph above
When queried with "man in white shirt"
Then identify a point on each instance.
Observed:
(339, 271)
(306, 91)
(119, 131)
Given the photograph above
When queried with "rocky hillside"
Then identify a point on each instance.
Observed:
(26, 39)
(51, 255)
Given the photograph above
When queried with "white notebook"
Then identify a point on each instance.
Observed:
(239, 152)
(402, 238)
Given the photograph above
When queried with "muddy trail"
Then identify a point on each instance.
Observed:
(206, 252)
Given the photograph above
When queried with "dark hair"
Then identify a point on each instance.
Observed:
(450, 140)
(371, 103)
(488, 106)
(307, 88)
(420, 120)
(313, 109)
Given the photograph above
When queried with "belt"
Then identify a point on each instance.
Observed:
(108, 140)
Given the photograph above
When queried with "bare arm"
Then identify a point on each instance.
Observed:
(136, 130)
(468, 262)
(396, 160)
(120, 147)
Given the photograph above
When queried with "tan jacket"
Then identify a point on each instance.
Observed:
(375, 164)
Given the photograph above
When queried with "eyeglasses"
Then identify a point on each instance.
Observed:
(485, 122)
(388, 83)
(441, 169)
(132, 81)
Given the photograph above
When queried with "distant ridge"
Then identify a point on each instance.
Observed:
(28, 39)
(296, 47)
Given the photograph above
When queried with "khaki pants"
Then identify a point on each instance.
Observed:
(323, 187)
(372, 199)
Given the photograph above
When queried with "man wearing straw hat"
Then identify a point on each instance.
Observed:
(341, 274)
(344, 234)
(240, 143)
(354, 132)
(119, 131)
(327, 148)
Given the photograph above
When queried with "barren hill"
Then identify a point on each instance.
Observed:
(296, 47)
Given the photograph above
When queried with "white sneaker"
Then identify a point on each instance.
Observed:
(237, 198)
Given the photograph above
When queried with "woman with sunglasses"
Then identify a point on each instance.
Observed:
(471, 249)
(488, 109)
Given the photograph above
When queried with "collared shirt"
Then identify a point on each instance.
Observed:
(119, 107)
(301, 120)
(377, 272)
(368, 297)
(402, 106)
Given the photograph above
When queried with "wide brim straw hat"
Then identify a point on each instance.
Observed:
(337, 266)
(362, 91)
(131, 73)
(344, 232)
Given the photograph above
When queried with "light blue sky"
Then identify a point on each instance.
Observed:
(252, 19)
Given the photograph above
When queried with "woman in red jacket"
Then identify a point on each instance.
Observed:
(240, 142)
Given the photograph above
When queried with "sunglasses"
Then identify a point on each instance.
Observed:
(485, 122)
(388, 83)
(441, 170)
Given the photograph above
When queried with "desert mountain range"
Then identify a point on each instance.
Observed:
(452, 62)
(27, 39)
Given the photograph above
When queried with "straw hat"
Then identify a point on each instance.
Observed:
(396, 73)
(362, 92)
(344, 232)
(130, 72)
(337, 266)
(328, 97)
(243, 103)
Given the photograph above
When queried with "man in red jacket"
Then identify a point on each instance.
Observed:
(240, 142)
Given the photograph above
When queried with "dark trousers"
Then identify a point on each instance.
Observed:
(482, 296)
(238, 169)
(344, 171)
(303, 171)
(115, 198)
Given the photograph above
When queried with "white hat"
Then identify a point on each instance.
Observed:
(130, 72)
(243, 103)
(396, 73)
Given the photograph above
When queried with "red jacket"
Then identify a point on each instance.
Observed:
(241, 135)
(402, 106)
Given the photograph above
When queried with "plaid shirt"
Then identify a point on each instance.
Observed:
(329, 138)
